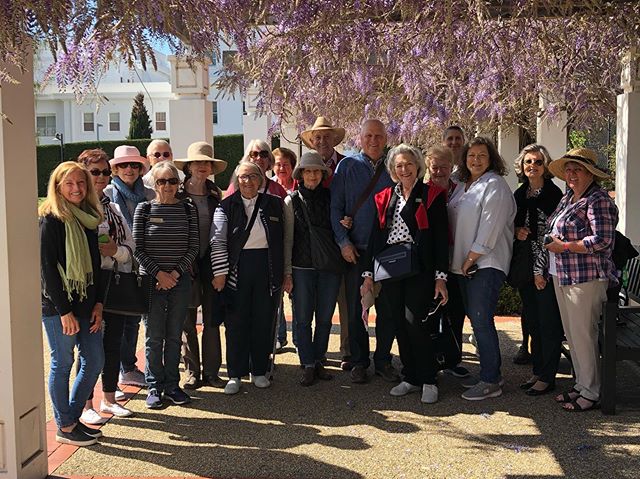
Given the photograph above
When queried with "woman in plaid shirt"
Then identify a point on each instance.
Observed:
(582, 231)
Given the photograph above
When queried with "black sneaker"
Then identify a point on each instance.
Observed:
(458, 372)
(154, 399)
(178, 396)
(522, 356)
(89, 431)
(75, 438)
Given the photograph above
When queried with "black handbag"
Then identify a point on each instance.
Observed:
(398, 261)
(128, 294)
(325, 253)
(521, 267)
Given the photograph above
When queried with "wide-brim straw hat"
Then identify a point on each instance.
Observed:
(202, 151)
(128, 154)
(310, 160)
(321, 123)
(583, 156)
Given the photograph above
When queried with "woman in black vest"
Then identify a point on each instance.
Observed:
(315, 286)
(416, 213)
(247, 242)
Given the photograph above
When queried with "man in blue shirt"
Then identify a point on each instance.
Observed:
(352, 230)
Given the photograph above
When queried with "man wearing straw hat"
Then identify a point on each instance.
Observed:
(324, 137)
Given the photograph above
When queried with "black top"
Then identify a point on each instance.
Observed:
(318, 203)
(52, 251)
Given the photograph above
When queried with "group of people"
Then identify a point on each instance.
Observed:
(420, 236)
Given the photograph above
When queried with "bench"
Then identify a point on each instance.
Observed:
(620, 336)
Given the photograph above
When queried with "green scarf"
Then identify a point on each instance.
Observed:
(78, 273)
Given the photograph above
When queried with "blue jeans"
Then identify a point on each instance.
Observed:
(282, 325)
(163, 339)
(129, 344)
(314, 292)
(480, 295)
(67, 409)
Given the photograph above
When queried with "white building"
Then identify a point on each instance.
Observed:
(105, 116)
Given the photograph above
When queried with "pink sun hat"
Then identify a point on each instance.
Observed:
(128, 154)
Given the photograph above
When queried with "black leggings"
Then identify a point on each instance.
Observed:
(113, 325)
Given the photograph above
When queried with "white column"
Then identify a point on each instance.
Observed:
(509, 149)
(552, 133)
(627, 148)
(190, 112)
(254, 126)
(23, 448)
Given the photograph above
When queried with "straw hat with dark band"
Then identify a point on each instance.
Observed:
(583, 156)
(202, 151)
(321, 123)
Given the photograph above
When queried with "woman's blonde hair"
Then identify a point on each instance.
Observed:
(438, 152)
(55, 204)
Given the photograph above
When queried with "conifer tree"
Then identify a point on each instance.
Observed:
(139, 124)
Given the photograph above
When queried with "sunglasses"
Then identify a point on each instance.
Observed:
(131, 164)
(166, 154)
(535, 162)
(164, 181)
(249, 177)
(97, 172)
(264, 154)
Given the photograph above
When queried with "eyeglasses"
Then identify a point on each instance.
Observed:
(164, 181)
(249, 177)
(166, 154)
(529, 161)
(97, 172)
(131, 164)
(264, 154)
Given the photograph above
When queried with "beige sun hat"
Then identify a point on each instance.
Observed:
(202, 151)
(311, 160)
(321, 123)
(128, 154)
(583, 156)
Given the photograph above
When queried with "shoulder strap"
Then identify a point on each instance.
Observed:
(367, 191)
(295, 195)
(254, 214)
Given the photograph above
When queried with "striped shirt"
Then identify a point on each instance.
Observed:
(166, 237)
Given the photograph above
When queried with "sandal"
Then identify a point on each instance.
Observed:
(577, 408)
(568, 396)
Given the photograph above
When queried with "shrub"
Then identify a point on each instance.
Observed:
(509, 303)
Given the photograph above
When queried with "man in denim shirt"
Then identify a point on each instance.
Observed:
(352, 235)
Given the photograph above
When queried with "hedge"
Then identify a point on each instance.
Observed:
(226, 147)
(509, 303)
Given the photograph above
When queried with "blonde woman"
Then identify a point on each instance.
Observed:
(71, 295)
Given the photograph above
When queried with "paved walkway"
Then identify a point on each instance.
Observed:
(336, 429)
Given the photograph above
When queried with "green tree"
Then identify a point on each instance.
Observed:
(140, 124)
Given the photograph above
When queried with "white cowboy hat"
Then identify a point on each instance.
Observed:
(321, 123)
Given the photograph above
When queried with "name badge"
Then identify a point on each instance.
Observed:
(156, 220)
(274, 218)
(418, 200)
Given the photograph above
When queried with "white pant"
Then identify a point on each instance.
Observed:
(580, 308)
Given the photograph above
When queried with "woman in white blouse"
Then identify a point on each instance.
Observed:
(481, 216)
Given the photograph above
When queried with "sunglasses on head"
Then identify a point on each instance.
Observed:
(131, 164)
(97, 172)
(166, 154)
(264, 154)
(164, 181)
(535, 162)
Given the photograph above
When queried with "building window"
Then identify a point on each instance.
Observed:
(87, 122)
(215, 112)
(46, 125)
(114, 121)
(161, 121)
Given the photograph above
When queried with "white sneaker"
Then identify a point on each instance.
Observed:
(429, 393)
(90, 416)
(260, 381)
(403, 389)
(233, 386)
(115, 409)
(120, 396)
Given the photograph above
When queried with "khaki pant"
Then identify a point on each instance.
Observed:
(580, 308)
